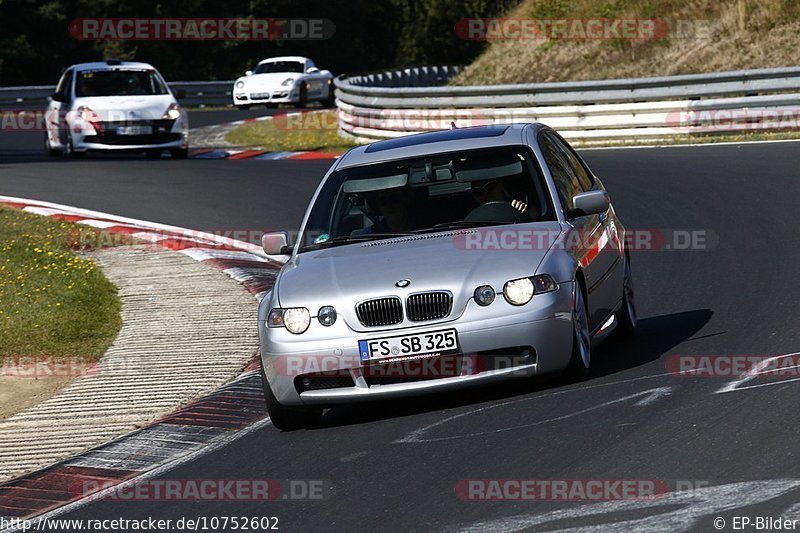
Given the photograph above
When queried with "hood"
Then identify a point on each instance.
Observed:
(270, 80)
(457, 261)
(117, 108)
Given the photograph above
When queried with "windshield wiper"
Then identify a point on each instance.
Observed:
(459, 224)
(349, 239)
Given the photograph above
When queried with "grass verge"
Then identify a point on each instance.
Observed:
(315, 131)
(52, 302)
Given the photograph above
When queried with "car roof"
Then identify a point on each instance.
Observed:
(284, 58)
(435, 142)
(111, 65)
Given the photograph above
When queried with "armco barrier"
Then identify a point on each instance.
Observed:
(391, 104)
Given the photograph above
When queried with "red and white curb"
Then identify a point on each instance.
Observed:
(259, 155)
(211, 422)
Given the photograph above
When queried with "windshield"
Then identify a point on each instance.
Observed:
(280, 66)
(119, 83)
(439, 192)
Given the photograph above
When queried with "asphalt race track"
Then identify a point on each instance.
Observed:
(395, 466)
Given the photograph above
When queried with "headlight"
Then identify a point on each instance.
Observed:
(295, 319)
(172, 112)
(326, 315)
(288, 81)
(520, 291)
(484, 295)
(240, 84)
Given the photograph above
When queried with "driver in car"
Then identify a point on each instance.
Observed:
(496, 191)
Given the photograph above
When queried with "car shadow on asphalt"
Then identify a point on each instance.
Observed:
(655, 337)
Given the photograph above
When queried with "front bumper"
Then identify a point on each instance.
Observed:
(165, 134)
(281, 96)
(544, 325)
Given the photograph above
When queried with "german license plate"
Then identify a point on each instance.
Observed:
(431, 343)
(135, 130)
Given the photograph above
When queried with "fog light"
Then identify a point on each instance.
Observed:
(484, 295)
(306, 382)
(326, 315)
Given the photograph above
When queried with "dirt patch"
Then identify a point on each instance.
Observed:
(19, 393)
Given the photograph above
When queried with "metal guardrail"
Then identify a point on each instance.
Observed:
(198, 93)
(371, 108)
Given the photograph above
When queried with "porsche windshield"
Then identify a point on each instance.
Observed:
(438, 192)
(280, 66)
(119, 83)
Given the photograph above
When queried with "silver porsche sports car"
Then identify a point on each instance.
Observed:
(439, 261)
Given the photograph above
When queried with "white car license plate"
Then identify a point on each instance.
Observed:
(433, 343)
(135, 130)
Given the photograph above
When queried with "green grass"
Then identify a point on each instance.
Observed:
(52, 302)
(315, 131)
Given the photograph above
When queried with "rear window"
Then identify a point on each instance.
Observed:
(119, 83)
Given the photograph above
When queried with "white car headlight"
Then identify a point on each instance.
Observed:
(520, 291)
(287, 81)
(484, 295)
(173, 112)
(326, 315)
(240, 84)
(294, 319)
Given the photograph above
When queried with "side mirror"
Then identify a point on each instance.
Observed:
(248, 73)
(312, 70)
(59, 97)
(589, 203)
(180, 94)
(276, 243)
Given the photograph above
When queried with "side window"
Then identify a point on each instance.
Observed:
(64, 83)
(565, 179)
(575, 163)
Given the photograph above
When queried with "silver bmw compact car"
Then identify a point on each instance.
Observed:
(439, 261)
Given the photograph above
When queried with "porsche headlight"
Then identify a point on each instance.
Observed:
(294, 319)
(240, 84)
(287, 81)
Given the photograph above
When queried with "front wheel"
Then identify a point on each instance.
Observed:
(302, 99)
(581, 343)
(627, 314)
(284, 417)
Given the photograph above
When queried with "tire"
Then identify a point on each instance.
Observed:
(288, 418)
(627, 314)
(581, 358)
(153, 154)
(244, 107)
(302, 99)
(330, 101)
(69, 151)
(52, 152)
(179, 153)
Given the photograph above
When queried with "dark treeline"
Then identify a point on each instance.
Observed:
(35, 44)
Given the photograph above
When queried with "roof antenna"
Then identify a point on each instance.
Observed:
(453, 125)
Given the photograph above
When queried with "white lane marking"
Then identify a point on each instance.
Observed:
(735, 385)
(694, 504)
(144, 224)
(416, 436)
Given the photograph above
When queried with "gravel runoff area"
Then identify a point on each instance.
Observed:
(187, 329)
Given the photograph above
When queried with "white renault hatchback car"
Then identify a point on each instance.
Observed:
(284, 80)
(115, 105)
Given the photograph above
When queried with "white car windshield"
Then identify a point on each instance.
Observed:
(280, 66)
(119, 83)
(438, 192)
